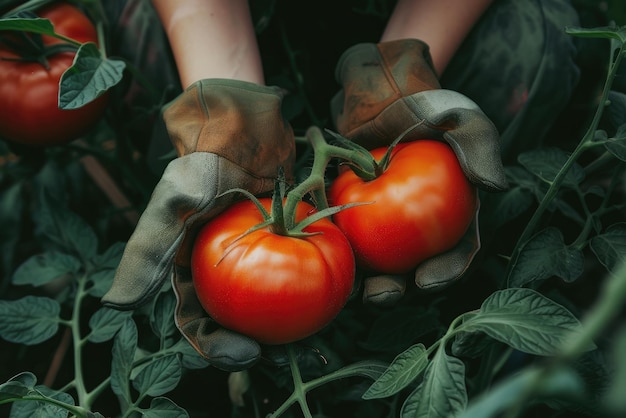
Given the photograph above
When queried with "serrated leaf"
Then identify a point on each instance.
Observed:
(525, 320)
(65, 229)
(40, 408)
(402, 371)
(442, 393)
(30, 320)
(162, 315)
(18, 386)
(545, 255)
(546, 163)
(123, 352)
(610, 247)
(159, 376)
(89, 77)
(43, 268)
(105, 323)
(164, 408)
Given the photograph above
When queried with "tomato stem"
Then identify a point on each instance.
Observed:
(314, 183)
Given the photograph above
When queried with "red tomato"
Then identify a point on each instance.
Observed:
(273, 288)
(422, 205)
(29, 91)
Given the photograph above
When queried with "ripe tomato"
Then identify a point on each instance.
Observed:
(29, 91)
(273, 288)
(422, 204)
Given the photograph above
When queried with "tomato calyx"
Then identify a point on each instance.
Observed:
(380, 166)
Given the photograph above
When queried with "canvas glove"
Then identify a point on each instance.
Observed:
(386, 89)
(228, 134)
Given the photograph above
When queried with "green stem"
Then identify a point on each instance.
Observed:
(555, 185)
(79, 382)
(314, 183)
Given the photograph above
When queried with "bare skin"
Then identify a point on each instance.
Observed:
(216, 39)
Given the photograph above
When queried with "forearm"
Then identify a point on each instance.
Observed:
(211, 39)
(442, 24)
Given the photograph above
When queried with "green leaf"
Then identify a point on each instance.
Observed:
(442, 393)
(531, 380)
(110, 259)
(43, 268)
(42, 408)
(36, 25)
(509, 204)
(404, 369)
(371, 369)
(545, 255)
(164, 408)
(65, 229)
(101, 282)
(525, 320)
(89, 77)
(191, 359)
(162, 316)
(610, 247)
(605, 32)
(105, 323)
(546, 163)
(30, 320)
(103, 272)
(159, 376)
(18, 386)
(123, 352)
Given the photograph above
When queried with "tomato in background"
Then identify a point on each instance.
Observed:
(274, 288)
(421, 205)
(29, 112)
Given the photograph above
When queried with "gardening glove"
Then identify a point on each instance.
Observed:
(228, 134)
(386, 89)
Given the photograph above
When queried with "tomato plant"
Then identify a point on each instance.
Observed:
(272, 287)
(421, 205)
(31, 67)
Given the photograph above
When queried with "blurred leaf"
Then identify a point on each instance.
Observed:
(29, 320)
(110, 259)
(525, 320)
(614, 397)
(104, 268)
(123, 352)
(546, 255)
(610, 247)
(404, 369)
(159, 376)
(65, 229)
(529, 381)
(164, 408)
(442, 393)
(34, 25)
(43, 268)
(101, 282)
(89, 77)
(105, 323)
(546, 163)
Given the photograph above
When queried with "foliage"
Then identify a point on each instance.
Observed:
(534, 328)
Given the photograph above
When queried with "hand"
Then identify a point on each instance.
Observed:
(228, 134)
(386, 89)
